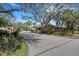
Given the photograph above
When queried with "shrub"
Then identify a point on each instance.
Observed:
(22, 50)
(47, 30)
(10, 40)
(63, 33)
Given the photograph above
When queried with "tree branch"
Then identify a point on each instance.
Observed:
(8, 11)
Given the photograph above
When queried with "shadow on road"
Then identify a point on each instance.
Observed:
(30, 38)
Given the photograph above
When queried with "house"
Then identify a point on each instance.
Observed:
(28, 28)
(58, 28)
(54, 28)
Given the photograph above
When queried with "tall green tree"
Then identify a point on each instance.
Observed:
(28, 23)
(68, 18)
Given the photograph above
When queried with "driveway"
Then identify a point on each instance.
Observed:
(49, 45)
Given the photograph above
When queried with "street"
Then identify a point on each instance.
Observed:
(50, 45)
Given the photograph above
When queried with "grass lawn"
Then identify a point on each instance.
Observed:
(23, 51)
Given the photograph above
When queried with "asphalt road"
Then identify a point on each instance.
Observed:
(49, 45)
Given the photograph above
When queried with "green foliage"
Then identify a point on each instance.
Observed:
(68, 18)
(18, 25)
(10, 40)
(63, 33)
(5, 22)
(4, 34)
(5, 39)
(22, 51)
(29, 23)
(47, 30)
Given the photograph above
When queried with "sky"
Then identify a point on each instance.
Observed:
(18, 15)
